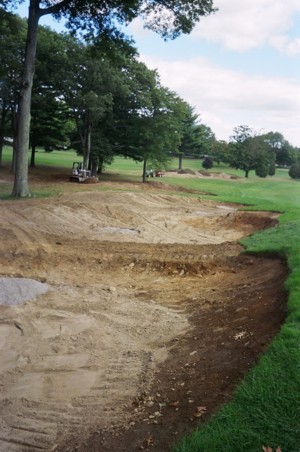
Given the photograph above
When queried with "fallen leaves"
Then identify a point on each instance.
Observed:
(174, 404)
(147, 443)
(269, 449)
(200, 411)
(240, 335)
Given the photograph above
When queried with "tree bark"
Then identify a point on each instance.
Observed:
(14, 121)
(88, 139)
(93, 166)
(2, 131)
(180, 162)
(144, 170)
(21, 188)
(1, 151)
(100, 165)
(32, 159)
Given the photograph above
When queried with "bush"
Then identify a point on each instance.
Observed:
(294, 171)
(207, 163)
(272, 169)
(262, 170)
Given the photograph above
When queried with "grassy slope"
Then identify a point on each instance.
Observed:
(265, 410)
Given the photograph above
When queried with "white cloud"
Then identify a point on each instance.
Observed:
(243, 25)
(285, 45)
(227, 98)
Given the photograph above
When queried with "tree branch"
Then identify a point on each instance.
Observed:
(55, 8)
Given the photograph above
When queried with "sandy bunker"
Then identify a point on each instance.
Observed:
(126, 271)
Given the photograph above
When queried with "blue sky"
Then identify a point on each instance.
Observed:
(240, 65)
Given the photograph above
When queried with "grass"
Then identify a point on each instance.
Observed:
(55, 158)
(265, 410)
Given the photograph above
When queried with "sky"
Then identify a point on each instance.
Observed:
(239, 66)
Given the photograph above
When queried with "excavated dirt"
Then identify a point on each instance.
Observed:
(150, 318)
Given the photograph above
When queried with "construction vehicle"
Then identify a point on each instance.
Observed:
(157, 173)
(79, 174)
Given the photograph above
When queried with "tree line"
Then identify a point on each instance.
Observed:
(97, 98)
(100, 21)
(94, 95)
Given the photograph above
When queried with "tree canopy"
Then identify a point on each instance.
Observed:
(249, 151)
(168, 18)
(100, 98)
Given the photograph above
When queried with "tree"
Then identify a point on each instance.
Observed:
(164, 127)
(12, 41)
(188, 133)
(51, 124)
(248, 151)
(294, 171)
(282, 148)
(149, 129)
(205, 139)
(96, 83)
(86, 90)
(196, 139)
(219, 151)
(167, 18)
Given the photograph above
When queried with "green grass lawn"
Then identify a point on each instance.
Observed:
(55, 158)
(265, 410)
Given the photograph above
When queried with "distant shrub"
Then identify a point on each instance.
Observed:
(272, 169)
(294, 171)
(207, 163)
(262, 170)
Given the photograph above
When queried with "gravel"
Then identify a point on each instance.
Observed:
(15, 291)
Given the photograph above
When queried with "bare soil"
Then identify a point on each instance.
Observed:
(151, 319)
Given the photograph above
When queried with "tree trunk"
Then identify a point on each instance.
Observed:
(32, 160)
(246, 173)
(144, 170)
(94, 166)
(21, 188)
(1, 149)
(88, 140)
(15, 138)
(100, 165)
(180, 162)
(2, 131)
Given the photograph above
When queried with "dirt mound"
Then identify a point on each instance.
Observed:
(152, 313)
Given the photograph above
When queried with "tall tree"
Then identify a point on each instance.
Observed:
(50, 116)
(12, 41)
(188, 134)
(219, 151)
(90, 85)
(196, 139)
(149, 127)
(162, 131)
(282, 148)
(167, 18)
(248, 151)
(205, 138)
(86, 90)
